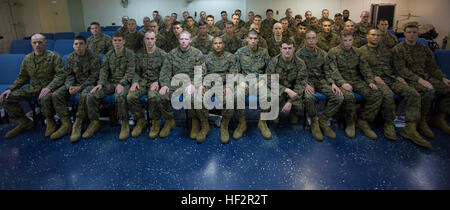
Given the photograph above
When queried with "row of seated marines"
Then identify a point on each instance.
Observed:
(372, 71)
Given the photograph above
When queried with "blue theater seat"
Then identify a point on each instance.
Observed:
(109, 33)
(63, 46)
(358, 97)
(442, 58)
(111, 28)
(20, 47)
(391, 31)
(9, 69)
(48, 36)
(321, 97)
(420, 40)
(64, 35)
(50, 45)
(85, 34)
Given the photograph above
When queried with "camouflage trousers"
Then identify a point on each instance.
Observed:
(154, 101)
(427, 96)
(372, 100)
(409, 94)
(61, 96)
(12, 106)
(120, 101)
(335, 101)
(226, 113)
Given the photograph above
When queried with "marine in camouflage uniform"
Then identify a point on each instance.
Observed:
(99, 45)
(133, 41)
(356, 71)
(83, 71)
(117, 69)
(321, 20)
(220, 24)
(261, 43)
(183, 62)
(389, 40)
(45, 71)
(380, 60)
(299, 41)
(414, 63)
(322, 78)
(327, 41)
(232, 44)
(222, 64)
(148, 66)
(293, 75)
(266, 28)
(193, 30)
(250, 61)
(214, 31)
(203, 44)
(361, 29)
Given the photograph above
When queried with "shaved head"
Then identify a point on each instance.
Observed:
(38, 36)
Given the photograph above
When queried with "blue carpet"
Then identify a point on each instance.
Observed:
(291, 160)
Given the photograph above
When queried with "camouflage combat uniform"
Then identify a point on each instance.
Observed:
(261, 42)
(327, 41)
(99, 45)
(83, 71)
(232, 44)
(179, 62)
(222, 65)
(381, 60)
(356, 71)
(193, 30)
(44, 71)
(361, 29)
(116, 69)
(204, 45)
(134, 41)
(414, 62)
(148, 67)
(293, 75)
(251, 62)
(321, 78)
(267, 28)
(214, 31)
(389, 40)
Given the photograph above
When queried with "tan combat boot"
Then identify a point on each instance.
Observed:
(93, 127)
(438, 121)
(315, 129)
(241, 128)
(364, 126)
(265, 131)
(424, 129)
(66, 128)
(168, 126)
(410, 132)
(140, 126)
(124, 130)
(224, 135)
(154, 131)
(389, 131)
(350, 129)
(204, 131)
(195, 128)
(76, 130)
(24, 125)
(51, 127)
(327, 131)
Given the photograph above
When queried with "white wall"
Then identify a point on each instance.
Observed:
(107, 12)
(434, 12)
